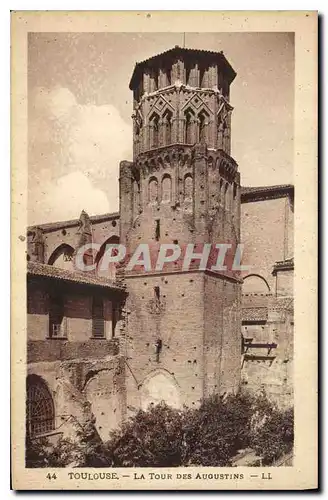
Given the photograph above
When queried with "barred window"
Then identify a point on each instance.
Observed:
(40, 411)
(98, 322)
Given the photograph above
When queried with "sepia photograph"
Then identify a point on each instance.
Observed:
(159, 255)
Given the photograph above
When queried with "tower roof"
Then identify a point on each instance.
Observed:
(170, 54)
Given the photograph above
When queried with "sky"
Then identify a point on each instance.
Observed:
(80, 106)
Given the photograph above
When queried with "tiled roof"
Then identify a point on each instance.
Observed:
(283, 265)
(83, 278)
(254, 314)
(250, 193)
(54, 226)
(140, 66)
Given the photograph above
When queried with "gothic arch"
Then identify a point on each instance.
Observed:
(203, 118)
(160, 385)
(166, 188)
(153, 190)
(62, 257)
(154, 130)
(189, 132)
(188, 187)
(104, 397)
(167, 126)
(255, 283)
(110, 271)
(40, 408)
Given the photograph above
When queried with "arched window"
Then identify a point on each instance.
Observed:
(62, 257)
(153, 190)
(202, 128)
(220, 135)
(40, 410)
(154, 131)
(188, 188)
(166, 188)
(189, 139)
(167, 118)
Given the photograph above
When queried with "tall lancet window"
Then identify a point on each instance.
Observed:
(167, 128)
(189, 139)
(166, 188)
(220, 135)
(154, 131)
(202, 128)
(153, 190)
(188, 188)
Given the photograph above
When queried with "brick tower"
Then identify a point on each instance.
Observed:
(183, 326)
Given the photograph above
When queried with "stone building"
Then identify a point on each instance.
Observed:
(267, 300)
(109, 342)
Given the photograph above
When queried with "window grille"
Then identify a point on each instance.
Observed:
(40, 412)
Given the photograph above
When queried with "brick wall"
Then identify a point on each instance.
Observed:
(200, 334)
(267, 233)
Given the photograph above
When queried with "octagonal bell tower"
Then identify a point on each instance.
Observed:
(182, 187)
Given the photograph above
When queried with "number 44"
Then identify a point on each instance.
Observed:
(51, 476)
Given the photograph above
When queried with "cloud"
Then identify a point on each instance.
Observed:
(74, 155)
(66, 198)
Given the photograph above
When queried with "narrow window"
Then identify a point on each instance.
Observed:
(188, 188)
(157, 230)
(114, 318)
(188, 129)
(202, 135)
(166, 188)
(155, 125)
(167, 128)
(153, 190)
(98, 322)
(57, 323)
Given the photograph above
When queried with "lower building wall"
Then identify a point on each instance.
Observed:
(176, 373)
(197, 323)
(222, 324)
(81, 388)
(270, 367)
